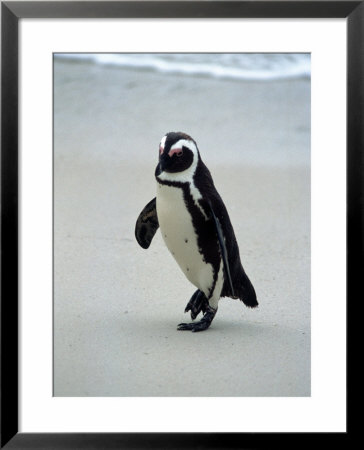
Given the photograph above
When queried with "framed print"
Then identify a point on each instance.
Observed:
(91, 353)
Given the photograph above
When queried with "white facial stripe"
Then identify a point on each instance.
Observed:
(186, 175)
(163, 142)
(185, 143)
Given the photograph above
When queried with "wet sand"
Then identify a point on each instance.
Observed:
(117, 306)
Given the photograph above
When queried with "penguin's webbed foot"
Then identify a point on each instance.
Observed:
(197, 304)
(203, 324)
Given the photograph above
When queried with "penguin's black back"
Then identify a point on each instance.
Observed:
(243, 288)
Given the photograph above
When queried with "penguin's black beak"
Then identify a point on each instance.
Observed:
(163, 161)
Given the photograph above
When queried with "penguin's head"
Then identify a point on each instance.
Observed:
(177, 152)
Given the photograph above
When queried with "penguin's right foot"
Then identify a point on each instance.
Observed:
(203, 324)
(197, 304)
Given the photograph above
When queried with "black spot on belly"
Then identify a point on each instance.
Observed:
(188, 269)
(186, 240)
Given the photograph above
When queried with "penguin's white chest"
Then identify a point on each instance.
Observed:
(179, 235)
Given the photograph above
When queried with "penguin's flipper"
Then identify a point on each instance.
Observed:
(147, 224)
(223, 249)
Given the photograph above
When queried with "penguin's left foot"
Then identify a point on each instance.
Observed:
(203, 324)
(197, 304)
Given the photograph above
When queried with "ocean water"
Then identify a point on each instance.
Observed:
(243, 66)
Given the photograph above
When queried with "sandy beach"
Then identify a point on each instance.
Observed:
(117, 306)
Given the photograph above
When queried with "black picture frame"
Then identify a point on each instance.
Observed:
(11, 12)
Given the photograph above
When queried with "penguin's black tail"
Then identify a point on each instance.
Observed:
(244, 290)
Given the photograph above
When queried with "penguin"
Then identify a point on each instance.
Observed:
(196, 229)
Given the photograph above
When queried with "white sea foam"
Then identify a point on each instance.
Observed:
(244, 66)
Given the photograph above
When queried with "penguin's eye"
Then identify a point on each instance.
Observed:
(175, 151)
